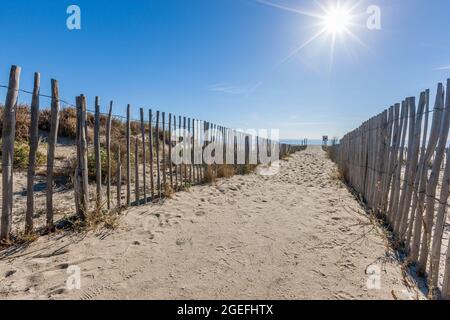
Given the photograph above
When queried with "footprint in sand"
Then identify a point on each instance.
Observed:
(57, 292)
(200, 213)
(10, 273)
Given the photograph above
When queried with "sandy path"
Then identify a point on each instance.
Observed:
(295, 235)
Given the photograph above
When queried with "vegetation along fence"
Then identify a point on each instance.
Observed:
(410, 190)
(66, 159)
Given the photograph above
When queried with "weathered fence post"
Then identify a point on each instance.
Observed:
(144, 157)
(185, 146)
(412, 161)
(197, 151)
(8, 136)
(190, 150)
(387, 161)
(224, 146)
(436, 126)
(77, 176)
(395, 194)
(34, 143)
(52, 140)
(170, 151)
(119, 181)
(432, 184)
(158, 165)
(128, 155)
(419, 172)
(86, 132)
(247, 149)
(441, 218)
(164, 163)
(98, 161)
(176, 166)
(136, 170)
(150, 142)
(446, 283)
(83, 161)
(193, 147)
(108, 155)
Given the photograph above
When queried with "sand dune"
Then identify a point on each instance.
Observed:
(299, 234)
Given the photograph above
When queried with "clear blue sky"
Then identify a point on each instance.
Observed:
(220, 59)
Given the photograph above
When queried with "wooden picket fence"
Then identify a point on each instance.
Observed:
(410, 190)
(155, 174)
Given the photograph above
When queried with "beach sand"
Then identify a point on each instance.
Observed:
(299, 234)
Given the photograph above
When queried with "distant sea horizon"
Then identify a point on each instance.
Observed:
(314, 142)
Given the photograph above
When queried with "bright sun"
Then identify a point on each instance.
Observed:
(336, 20)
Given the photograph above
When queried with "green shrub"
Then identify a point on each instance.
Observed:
(21, 153)
(92, 171)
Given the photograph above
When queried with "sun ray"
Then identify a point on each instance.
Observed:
(322, 7)
(356, 5)
(357, 39)
(298, 49)
(333, 46)
(336, 20)
(304, 13)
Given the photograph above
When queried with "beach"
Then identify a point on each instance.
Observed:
(298, 234)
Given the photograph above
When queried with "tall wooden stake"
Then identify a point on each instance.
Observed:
(52, 140)
(98, 160)
(136, 170)
(150, 138)
(144, 157)
(108, 154)
(128, 155)
(158, 169)
(8, 135)
(34, 143)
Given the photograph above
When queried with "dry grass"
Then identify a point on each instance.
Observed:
(338, 175)
(102, 219)
(97, 219)
(213, 172)
(211, 175)
(168, 191)
(248, 168)
(68, 123)
(23, 121)
(331, 152)
(225, 171)
(19, 239)
(67, 129)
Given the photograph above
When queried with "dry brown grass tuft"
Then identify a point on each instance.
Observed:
(44, 120)
(168, 191)
(101, 218)
(210, 176)
(248, 168)
(19, 239)
(68, 123)
(225, 171)
(338, 175)
(23, 121)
